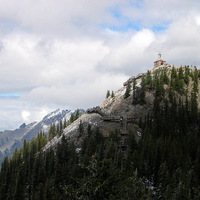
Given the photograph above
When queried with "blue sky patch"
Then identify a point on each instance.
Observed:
(159, 28)
(10, 95)
(125, 27)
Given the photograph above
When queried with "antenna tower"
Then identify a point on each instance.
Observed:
(159, 56)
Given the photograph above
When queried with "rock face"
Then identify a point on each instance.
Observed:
(112, 107)
(118, 106)
(23, 125)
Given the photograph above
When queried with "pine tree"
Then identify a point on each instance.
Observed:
(61, 128)
(52, 131)
(128, 90)
(19, 188)
(98, 135)
(173, 73)
(135, 95)
(164, 179)
(149, 81)
(77, 114)
(165, 77)
(72, 118)
(4, 178)
(65, 123)
(101, 182)
(80, 128)
(115, 136)
(57, 129)
(84, 145)
(131, 141)
(194, 103)
(142, 90)
(180, 73)
(107, 94)
(91, 147)
(89, 131)
(112, 95)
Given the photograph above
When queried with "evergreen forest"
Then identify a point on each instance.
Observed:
(163, 164)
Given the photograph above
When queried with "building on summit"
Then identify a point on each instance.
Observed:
(161, 64)
(160, 61)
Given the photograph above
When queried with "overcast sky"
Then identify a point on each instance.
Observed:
(67, 53)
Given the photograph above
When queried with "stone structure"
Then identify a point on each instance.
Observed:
(160, 61)
(161, 64)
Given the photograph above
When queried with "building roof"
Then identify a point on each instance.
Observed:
(160, 61)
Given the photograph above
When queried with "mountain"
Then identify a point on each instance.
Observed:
(115, 113)
(142, 142)
(9, 140)
(112, 106)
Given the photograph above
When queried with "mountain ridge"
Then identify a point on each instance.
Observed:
(141, 142)
(11, 139)
(118, 105)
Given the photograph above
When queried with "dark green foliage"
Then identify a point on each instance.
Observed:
(97, 185)
(56, 130)
(80, 128)
(77, 115)
(52, 131)
(115, 136)
(107, 94)
(60, 128)
(131, 141)
(187, 76)
(159, 89)
(112, 94)
(136, 96)
(173, 73)
(149, 81)
(139, 93)
(105, 182)
(186, 79)
(65, 124)
(128, 90)
(165, 77)
(142, 91)
(134, 90)
(89, 131)
(163, 164)
(74, 117)
(98, 136)
(180, 73)
(180, 77)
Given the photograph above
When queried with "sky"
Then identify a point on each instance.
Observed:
(67, 53)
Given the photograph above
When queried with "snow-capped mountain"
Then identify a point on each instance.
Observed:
(9, 140)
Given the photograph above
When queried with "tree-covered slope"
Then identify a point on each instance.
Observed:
(163, 164)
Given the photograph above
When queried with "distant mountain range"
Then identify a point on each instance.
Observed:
(9, 139)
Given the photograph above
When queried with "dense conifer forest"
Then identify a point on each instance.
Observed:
(163, 164)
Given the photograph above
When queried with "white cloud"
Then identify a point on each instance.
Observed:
(26, 115)
(129, 56)
(64, 54)
(82, 94)
(198, 20)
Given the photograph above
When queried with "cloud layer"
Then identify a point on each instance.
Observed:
(67, 54)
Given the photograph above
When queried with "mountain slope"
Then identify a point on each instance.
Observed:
(119, 106)
(112, 106)
(9, 140)
(90, 161)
